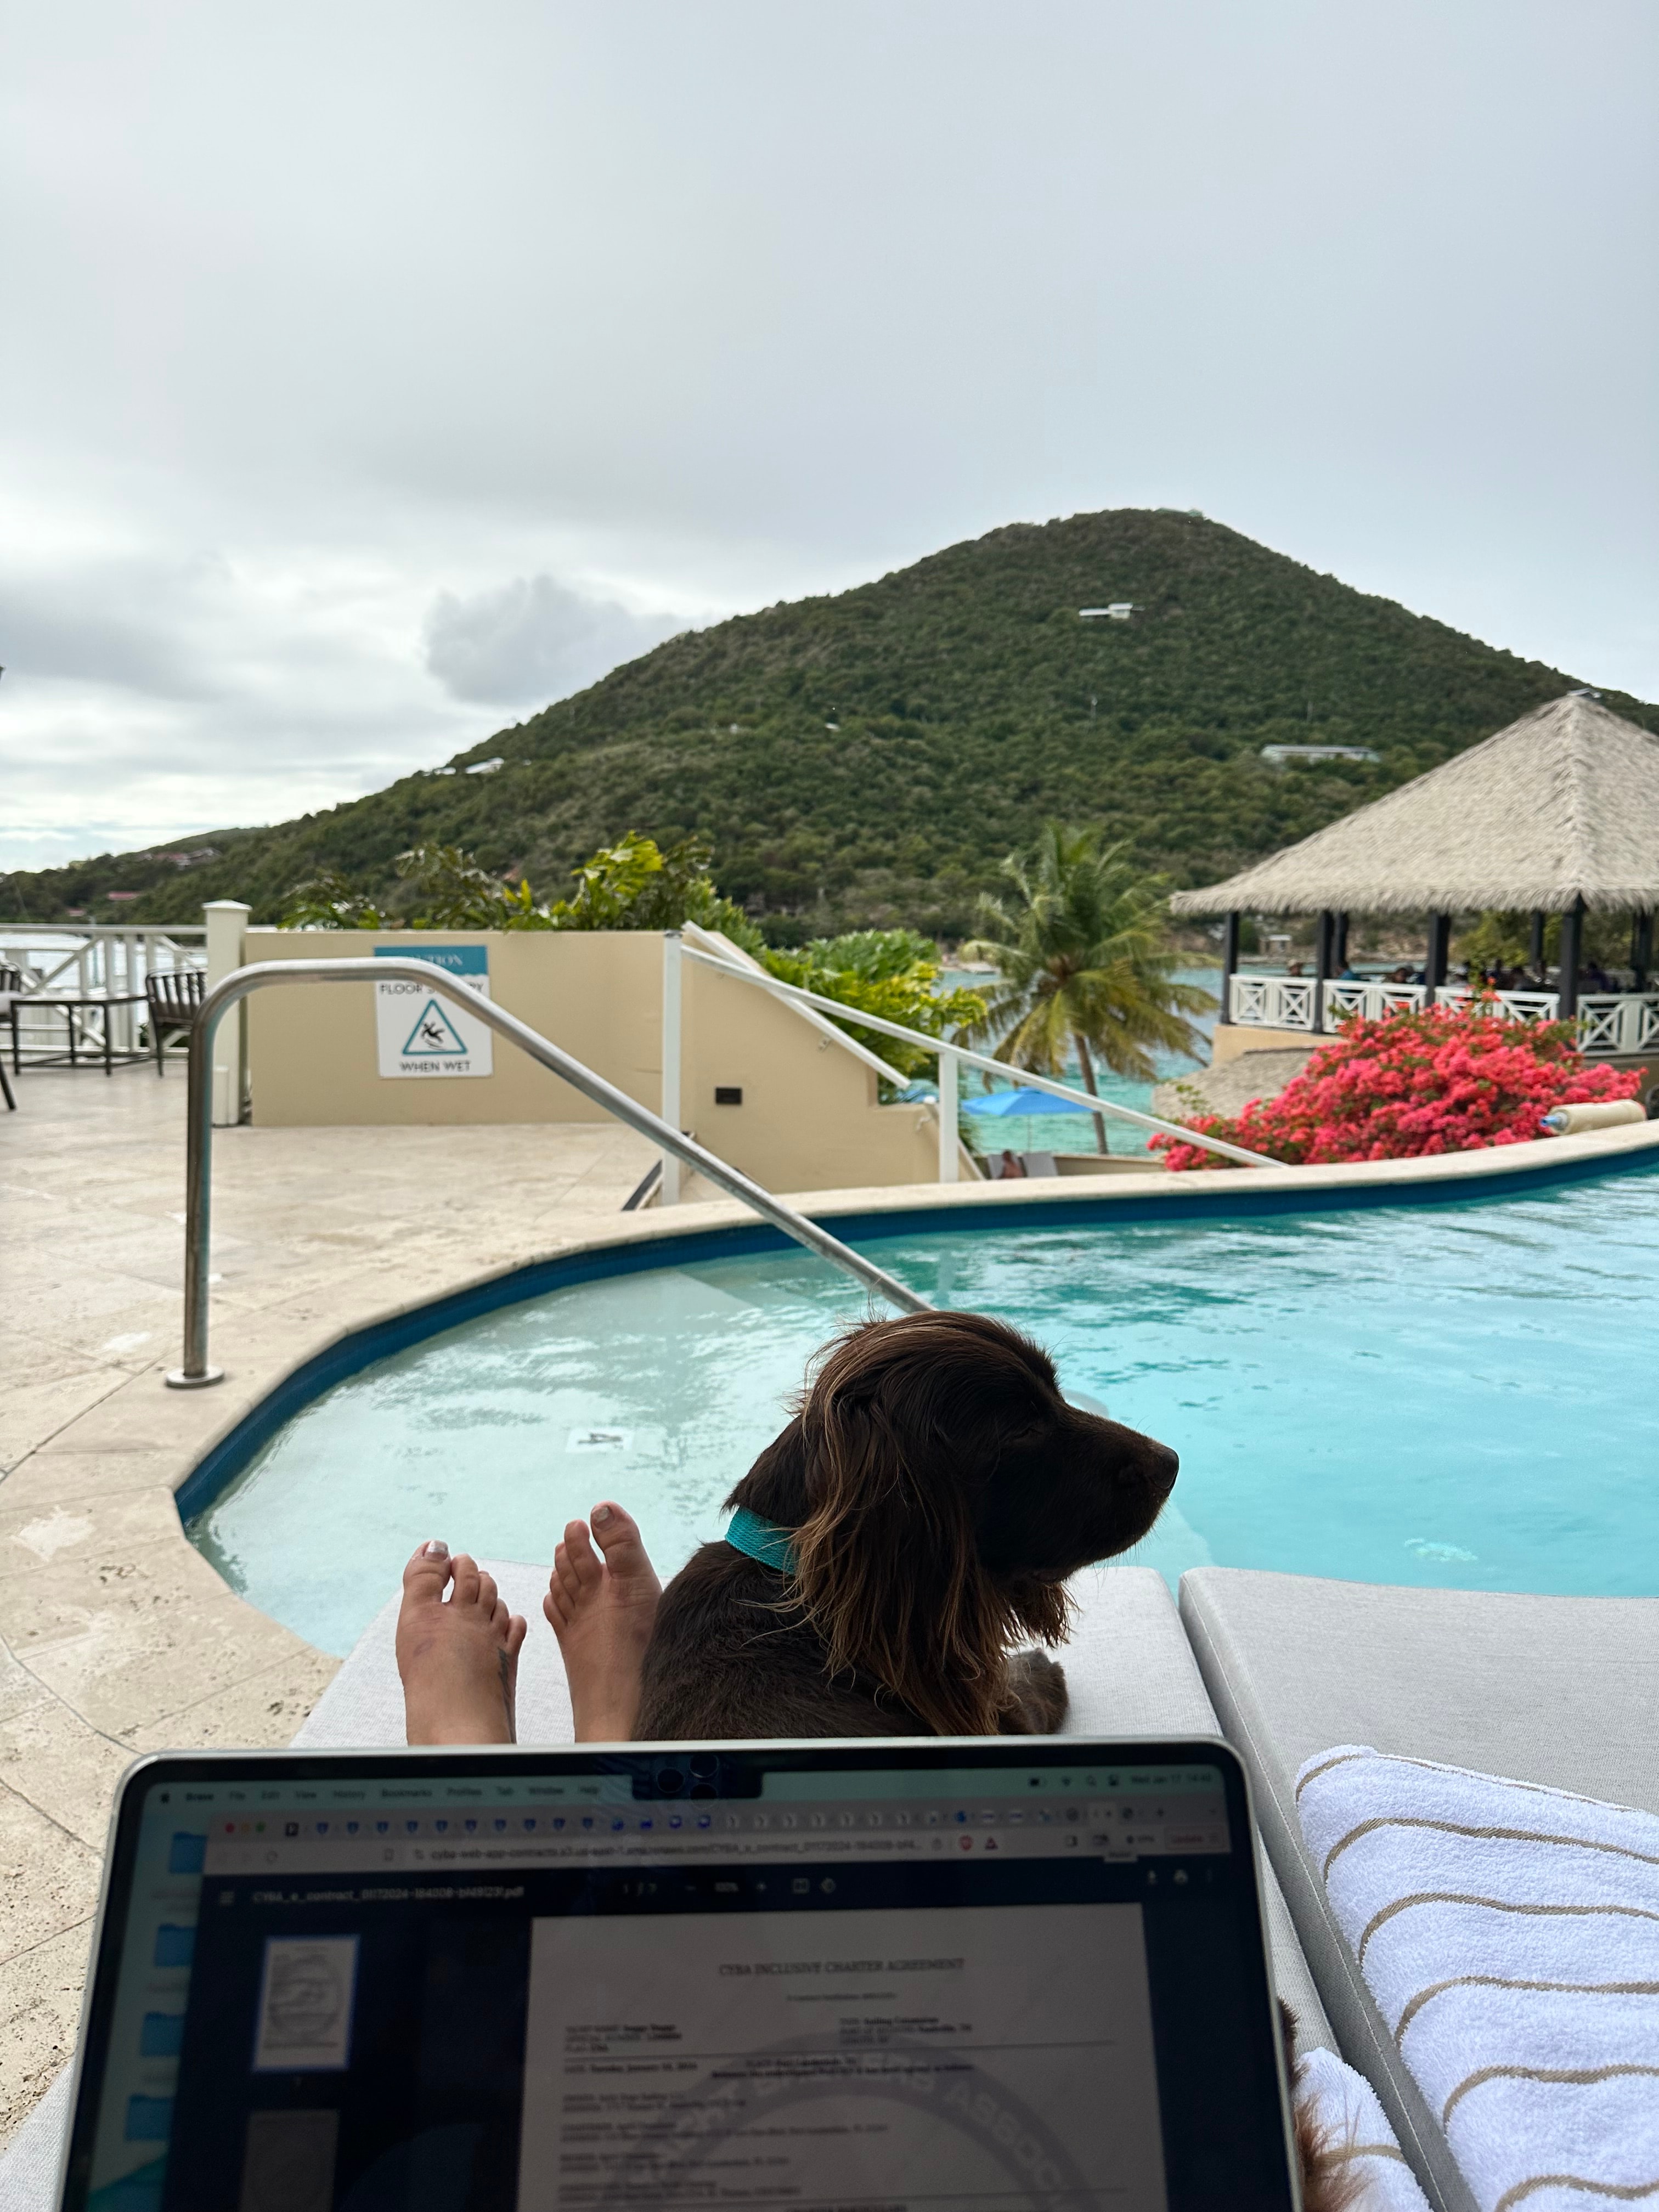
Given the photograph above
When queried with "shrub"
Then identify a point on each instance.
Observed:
(1437, 1079)
(890, 973)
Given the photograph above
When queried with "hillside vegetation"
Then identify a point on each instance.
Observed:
(868, 758)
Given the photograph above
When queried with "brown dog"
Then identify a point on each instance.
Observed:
(938, 1490)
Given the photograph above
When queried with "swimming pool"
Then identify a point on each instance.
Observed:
(1459, 1395)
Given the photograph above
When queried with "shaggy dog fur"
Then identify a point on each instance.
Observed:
(940, 1490)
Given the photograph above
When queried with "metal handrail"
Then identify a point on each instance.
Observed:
(1085, 1100)
(198, 1169)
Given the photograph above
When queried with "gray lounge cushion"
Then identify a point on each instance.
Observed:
(1560, 1690)
(364, 1703)
(1128, 1668)
(28, 2166)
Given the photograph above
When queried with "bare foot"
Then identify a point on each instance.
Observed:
(458, 1656)
(602, 1609)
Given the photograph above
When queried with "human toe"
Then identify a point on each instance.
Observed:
(618, 1534)
(467, 1580)
(577, 1558)
(428, 1573)
(517, 1629)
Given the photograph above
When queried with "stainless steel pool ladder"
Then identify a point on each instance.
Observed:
(198, 1170)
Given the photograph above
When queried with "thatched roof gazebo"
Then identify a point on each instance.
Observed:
(1556, 814)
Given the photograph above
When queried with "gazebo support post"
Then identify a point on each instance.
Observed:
(1536, 949)
(1327, 946)
(1641, 949)
(1229, 965)
(1434, 968)
(1339, 954)
(1572, 950)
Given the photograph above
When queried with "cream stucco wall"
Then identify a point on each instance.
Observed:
(810, 1117)
(1232, 1039)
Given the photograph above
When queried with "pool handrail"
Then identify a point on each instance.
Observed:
(196, 1372)
(1085, 1100)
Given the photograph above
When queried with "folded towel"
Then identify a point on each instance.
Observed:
(1510, 1935)
(1356, 2144)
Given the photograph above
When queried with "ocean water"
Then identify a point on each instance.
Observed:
(1075, 1132)
(1457, 1396)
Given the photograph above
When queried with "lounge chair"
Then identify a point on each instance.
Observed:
(173, 997)
(1128, 1665)
(11, 984)
(1560, 1690)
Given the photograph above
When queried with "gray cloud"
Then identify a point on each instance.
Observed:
(729, 304)
(533, 640)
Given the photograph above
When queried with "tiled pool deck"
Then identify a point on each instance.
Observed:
(115, 1635)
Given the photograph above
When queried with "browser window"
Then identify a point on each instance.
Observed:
(541, 1990)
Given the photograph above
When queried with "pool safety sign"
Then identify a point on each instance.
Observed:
(422, 1031)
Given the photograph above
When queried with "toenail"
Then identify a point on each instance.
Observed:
(601, 1512)
(437, 1549)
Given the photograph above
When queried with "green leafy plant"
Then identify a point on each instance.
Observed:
(632, 884)
(892, 973)
(452, 892)
(1085, 963)
(328, 902)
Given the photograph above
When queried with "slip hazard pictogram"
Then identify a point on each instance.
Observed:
(434, 1034)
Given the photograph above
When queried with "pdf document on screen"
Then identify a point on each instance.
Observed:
(981, 2058)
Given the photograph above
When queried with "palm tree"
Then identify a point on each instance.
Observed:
(1083, 953)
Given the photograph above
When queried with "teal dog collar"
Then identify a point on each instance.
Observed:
(761, 1540)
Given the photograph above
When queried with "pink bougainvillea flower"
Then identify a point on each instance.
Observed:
(1424, 1081)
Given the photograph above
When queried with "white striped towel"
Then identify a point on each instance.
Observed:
(1510, 1935)
(1355, 2139)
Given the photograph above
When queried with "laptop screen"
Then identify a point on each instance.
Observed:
(989, 1976)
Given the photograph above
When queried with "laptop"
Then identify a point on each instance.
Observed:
(945, 1976)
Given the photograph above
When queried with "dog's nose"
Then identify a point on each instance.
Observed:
(1166, 1465)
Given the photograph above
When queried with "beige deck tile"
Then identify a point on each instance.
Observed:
(140, 1636)
(139, 1414)
(125, 1640)
(31, 1413)
(111, 1523)
(61, 1476)
(39, 2012)
(262, 1713)
(54, 1761)
(48, 1877)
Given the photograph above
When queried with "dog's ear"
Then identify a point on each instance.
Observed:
(887, 1565)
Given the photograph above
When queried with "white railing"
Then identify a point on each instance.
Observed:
(1273, 1002)
(103, 965)
(710, 951)
(1508, 1005)
(1625, 1022)
(1610, 1023)
(1374, 1002)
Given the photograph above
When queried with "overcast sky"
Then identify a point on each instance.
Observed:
(371, 375)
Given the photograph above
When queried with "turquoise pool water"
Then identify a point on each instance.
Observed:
(1460, 1396)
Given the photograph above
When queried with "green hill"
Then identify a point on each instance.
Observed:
(870, 757)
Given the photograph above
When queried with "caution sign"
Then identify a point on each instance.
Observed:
(423, 1032)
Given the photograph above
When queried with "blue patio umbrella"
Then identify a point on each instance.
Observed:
(1027, 1105)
